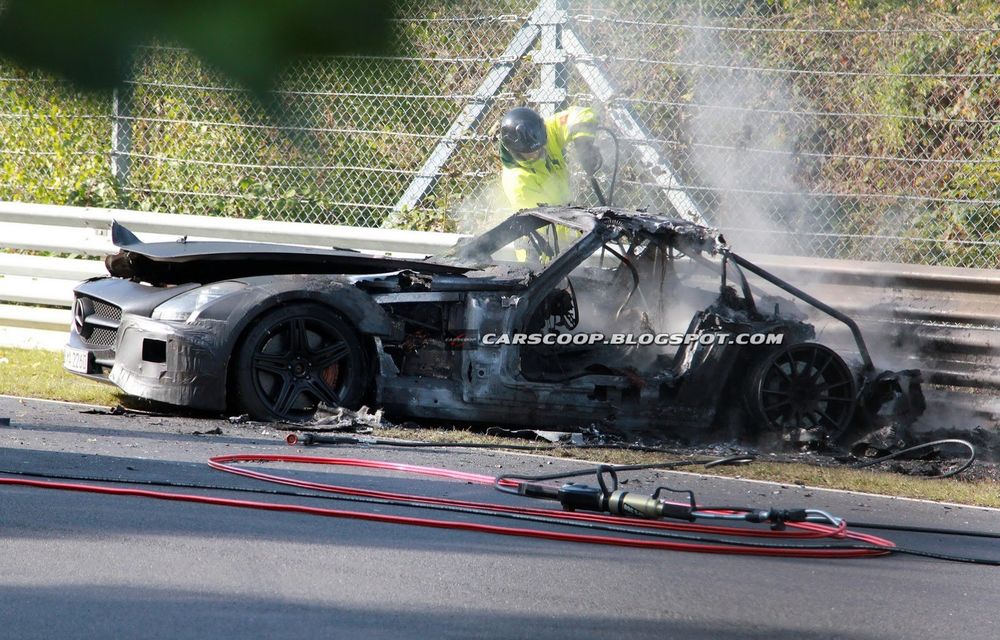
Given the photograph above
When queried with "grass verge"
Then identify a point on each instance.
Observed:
(39, 374)
(35, 373)
(978, 492)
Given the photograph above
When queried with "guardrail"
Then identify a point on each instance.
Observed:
(943, 320)
(36, 291)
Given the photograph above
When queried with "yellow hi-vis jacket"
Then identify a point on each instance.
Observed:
(546, 181)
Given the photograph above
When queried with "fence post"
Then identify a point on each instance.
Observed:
(550, 95)
(121, 139)
(558, 42)
(628, 124)
(467, 120)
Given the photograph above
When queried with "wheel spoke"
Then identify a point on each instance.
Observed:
(833, 385)
(297, 337)
(821, 370)
(329, 355)
(785, 375)
(776, 392)
(270, 363)
(322, 391)
(824, 415)
(812, 363)
(285, 399)
(772, 407)
(793, 364)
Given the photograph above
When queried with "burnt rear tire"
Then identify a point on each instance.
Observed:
(296, 357)
(802, 394)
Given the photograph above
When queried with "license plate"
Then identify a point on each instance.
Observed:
(76, 359)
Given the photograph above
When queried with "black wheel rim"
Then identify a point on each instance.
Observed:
(299, 363)
(806, 393)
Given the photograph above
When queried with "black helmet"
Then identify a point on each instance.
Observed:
(522, 131)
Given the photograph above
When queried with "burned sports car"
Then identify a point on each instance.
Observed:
(558, 316)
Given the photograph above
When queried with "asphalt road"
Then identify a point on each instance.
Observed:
(86, 566)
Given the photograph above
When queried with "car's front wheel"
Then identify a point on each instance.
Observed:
(295, 357)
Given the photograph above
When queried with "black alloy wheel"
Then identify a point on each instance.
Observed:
(804, 393)
(294, 358)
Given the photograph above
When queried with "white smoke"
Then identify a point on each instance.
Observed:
(482, 209)
(743, 143)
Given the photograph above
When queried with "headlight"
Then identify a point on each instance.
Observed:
(187, 306)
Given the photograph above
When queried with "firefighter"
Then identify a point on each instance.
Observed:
(533, 154)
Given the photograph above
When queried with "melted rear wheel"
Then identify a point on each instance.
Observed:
(804, 393)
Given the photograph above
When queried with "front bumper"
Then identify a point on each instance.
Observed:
(176, 363)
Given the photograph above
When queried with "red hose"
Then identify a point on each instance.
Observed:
(220, 463)
(802, 530)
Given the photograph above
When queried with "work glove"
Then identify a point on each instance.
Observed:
(588, 155)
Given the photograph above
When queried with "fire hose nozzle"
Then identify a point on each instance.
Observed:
(624, 503)
(620, 503)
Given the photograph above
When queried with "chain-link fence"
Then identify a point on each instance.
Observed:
(852, 129)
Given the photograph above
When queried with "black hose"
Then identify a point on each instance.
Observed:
(310, 439)
(968, 463)
(614, 170)
(671, 464)
(635, 278)
(597, 191)
(941, 531)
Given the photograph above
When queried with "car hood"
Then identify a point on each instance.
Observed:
(181, 261)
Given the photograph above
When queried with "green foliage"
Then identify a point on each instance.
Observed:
(429, 219)
(912, 110)
(926, 101)
(54, 151)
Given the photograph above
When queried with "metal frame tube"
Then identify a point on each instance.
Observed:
(805, 297)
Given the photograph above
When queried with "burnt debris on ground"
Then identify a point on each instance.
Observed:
(931, 462)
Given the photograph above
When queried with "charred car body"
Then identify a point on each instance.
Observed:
(275, 330)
